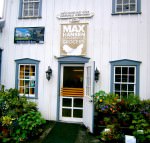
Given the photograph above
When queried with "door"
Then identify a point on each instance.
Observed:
(71, 93)
(88, 103)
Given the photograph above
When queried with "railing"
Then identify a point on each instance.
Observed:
(72, 92)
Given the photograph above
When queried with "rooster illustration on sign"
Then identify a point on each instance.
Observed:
(72, 51)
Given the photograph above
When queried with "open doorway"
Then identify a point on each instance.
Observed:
(71, 93)
(76, 103)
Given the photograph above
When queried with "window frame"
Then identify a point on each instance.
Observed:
(27, 62)
(137, 8)
(26, 79)
(21, 11)
(127, 83)
(125, 63)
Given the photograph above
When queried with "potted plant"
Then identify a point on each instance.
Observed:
(112, 134)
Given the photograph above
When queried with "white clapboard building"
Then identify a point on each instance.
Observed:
(59, 52)
(1, 29)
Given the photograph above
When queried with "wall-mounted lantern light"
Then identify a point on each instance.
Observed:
(96, 75)
(49, 73)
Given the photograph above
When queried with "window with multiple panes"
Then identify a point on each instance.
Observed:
(30, 8)
(126, 6)
(27, 77)
(124, 80)
(125, 77)
(88, 83)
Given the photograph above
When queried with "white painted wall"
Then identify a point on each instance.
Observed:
(110, 37)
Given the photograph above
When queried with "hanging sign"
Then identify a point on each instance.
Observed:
(73, 39)
(75, 14)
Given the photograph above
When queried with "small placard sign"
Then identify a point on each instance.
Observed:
(130, 139)
(75, 14)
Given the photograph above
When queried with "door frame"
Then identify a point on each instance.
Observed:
(67, 60)
(70, 119)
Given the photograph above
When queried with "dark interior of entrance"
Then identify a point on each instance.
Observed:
(73, 77)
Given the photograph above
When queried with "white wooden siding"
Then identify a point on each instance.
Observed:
(110, 37)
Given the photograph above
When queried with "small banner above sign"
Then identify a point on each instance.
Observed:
(73, 39)
(75, 14)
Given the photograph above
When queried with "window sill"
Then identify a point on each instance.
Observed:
(31, 97)
(38, 17)
(132, 13)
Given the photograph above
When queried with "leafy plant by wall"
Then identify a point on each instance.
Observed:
(29, 125)
(19, 118)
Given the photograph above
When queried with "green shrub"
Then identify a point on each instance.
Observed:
(112, 133)
(29, 125)
(141, 127)
(14, 105)
(129, 112)
(19, 118)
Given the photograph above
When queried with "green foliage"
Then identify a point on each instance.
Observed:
(14, 105)
(126, 111)
(107, 120)
(112, 133)
(99, 97)
(30, 120)
(145, 108)
(6, 120)
(106, 103)
(132, 103)
(29, 125)
(124, 116)
(29, 105)
(112, 103)
(141, 127)
(19, 118)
